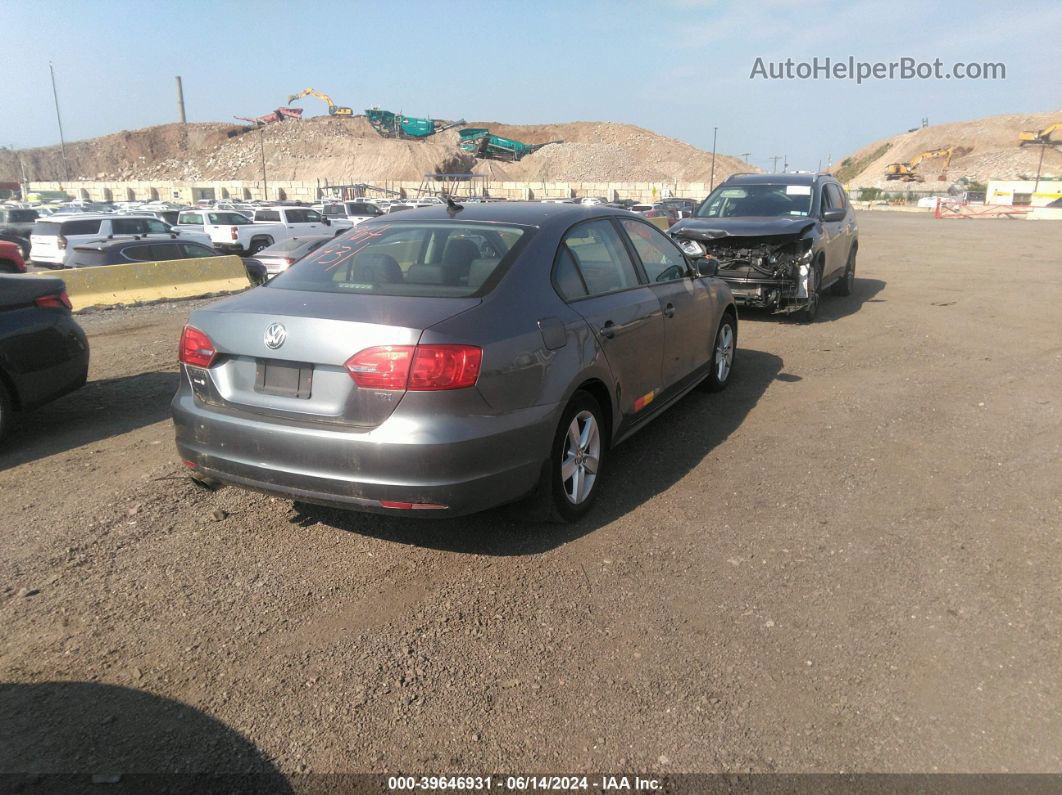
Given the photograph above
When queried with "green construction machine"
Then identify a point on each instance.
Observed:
(479, 142)
(397, 125)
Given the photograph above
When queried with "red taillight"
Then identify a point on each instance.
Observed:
(385, 367)
(196, 348)
(60, 242)
(57, 301)
(234, 232)
(420, 368)
(412, 506)
(445, 367)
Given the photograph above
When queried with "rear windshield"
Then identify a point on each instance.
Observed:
(227, 219)
(428, 259)
(42, 228)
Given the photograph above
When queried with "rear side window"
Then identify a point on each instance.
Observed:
(128, 226)
(267, 215)
(227, 219)
(196, 250)
(431, 259)
(138, 253)
(334, 210)
(600, 257)
(81, 227)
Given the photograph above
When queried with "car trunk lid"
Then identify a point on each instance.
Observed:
(282, 353)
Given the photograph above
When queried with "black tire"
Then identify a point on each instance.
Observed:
(257, 244)
(7, 266)
(719, 375)
(563, 507)
(811, 311)
(6, 407)
(847, 283)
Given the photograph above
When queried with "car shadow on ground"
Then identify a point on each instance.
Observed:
(75, 736)
(647, 464)
(98, 410)
(831, 307)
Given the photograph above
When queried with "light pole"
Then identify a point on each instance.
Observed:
(711, 182)
(58, 118)
(261, 143)
(1039, 165)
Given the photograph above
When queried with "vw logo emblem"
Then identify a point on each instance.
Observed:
(275, 335)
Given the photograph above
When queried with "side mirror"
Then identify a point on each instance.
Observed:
(326, 221)
(834, 214)
(707, 266)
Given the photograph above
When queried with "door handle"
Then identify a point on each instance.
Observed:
(669, 310)
(608, 331)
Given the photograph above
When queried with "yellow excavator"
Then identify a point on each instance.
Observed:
(906, 171)
(333, 108)
(1039, 136)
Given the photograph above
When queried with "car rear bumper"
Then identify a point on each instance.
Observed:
(484, 461)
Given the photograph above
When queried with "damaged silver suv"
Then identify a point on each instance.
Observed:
(780, 241)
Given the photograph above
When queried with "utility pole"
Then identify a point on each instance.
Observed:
(58, 118)
(785, 164)
(745, 156)
(774, 162)
(1039, 165)
(261, 142)
(711, 182)
(180, 100)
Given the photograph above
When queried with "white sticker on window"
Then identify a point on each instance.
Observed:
(798, 190)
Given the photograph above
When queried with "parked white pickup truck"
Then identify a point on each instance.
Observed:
(232, 232)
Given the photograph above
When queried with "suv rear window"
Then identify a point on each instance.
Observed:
(42, 228)
(88, 227)
(21, 216)
(427, 259)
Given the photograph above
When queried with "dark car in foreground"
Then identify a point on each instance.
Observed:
(43, 351)
(781, 240)
(448, 359)
(23, 243)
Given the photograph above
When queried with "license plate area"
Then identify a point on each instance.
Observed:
(284, 379)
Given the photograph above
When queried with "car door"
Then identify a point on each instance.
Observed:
(832, 233)
(303, 222)
(594, 272)
(685, 302)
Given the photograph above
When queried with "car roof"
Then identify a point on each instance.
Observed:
(523, 213)
(776, 179)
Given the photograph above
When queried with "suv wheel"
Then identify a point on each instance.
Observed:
(577, 458)
(847, 283)
(257, 244)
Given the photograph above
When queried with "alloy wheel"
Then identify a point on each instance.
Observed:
(581, 458)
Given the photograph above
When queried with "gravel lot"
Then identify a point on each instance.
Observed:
(848, 561)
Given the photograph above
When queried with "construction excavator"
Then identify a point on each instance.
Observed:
(333, 108)
(906, 171)
(1039, 136)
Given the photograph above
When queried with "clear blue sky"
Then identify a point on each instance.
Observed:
(678, 67)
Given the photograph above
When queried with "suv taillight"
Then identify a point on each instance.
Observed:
(421, 368)
(234, 233)
(58, 300)
(196, 348)
(60, 242)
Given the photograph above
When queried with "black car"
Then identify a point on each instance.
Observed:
(17, 220)
(43, 351)
(128, 250)
(781, 240)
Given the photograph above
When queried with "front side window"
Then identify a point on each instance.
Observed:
(334, 210)
(660, 259)
(599, 256)
(155, 227)
(191, 218)
(127, 226)
(759, 200)
(138, 253)
(267, 215)
(432, 259)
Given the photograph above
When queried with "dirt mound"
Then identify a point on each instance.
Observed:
(985, 149)
(350, 149)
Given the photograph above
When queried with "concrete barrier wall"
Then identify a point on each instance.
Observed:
(118, 285)
(309, 191)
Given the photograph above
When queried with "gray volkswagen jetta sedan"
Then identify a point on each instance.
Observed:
(450, 359)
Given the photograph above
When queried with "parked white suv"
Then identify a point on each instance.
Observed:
(354, 211)
(53, 239)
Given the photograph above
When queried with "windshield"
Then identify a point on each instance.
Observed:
(438, 259)
(764, 201)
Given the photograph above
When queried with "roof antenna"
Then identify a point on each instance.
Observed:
(452, 207)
